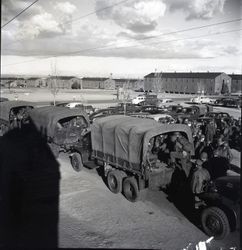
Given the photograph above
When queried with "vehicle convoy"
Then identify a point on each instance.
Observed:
(65, 130)
(13, 114)
(121, 145)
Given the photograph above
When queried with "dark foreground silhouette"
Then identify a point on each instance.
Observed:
(29, 191)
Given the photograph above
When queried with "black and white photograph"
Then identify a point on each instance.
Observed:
(120, 124)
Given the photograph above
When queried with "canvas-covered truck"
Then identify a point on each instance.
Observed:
(13, 114)
(121, 144)
(65, 130)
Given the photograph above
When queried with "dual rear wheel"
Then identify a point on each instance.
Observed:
(117, 183)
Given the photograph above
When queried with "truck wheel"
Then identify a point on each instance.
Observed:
(215, 222)
(114, 180)
(76, 162)
(130, 189)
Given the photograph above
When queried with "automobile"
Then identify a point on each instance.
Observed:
(120, 145)
(152, 109)
(65, 130)
(146, 99)
(162, 118)
(219, 202)
(3, 99)
(219, 115)
(201, 99)
(102, 113)
(220, 210)
(174, 109)
(14, 114)
(87, 108)
(192, 112)
(228, 102)
(164, 101)
(60, 104)
(138, 99)
(128, 107)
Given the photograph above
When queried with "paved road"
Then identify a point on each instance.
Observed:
(92, 216)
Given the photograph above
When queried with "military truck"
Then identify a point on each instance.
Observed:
(65, 130)
(121, 144)
(13, 114)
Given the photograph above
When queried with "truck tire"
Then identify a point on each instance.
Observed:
(215, 222)
(76, 162)
(114, 181)
(130, 189)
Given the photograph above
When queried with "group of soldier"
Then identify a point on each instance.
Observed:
(212, 145)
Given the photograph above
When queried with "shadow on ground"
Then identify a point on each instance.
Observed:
(29, 191)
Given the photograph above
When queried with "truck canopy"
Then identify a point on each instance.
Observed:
(46, 118)
(6, 106)
(123, 140)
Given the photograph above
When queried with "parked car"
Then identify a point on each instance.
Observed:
(202, 99)
(87, 108)
(138, 99)
(228, 102)
(219, 115)
(192, 112)
(128, 107)
(102, 113)
(66, 130)
(162, 118)
(120, 144)
(164, 101)
(153, 109)
(13, 114)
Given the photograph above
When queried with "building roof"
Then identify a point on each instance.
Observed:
(11, 78)
(126, 80)
(204, 75)
(236, 76)
(95, 78)
(33, 78)
(62, 77)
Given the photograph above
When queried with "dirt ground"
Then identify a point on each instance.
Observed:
(92, 216)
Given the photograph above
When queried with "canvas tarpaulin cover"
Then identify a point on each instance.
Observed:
(125, 138)
(5, 107)
(46, 118)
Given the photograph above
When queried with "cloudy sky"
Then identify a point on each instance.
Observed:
(126, 38)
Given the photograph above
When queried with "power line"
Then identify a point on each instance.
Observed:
(160, 35)
(131, 46)
(95, 12)
(81, 17)
(21, 12)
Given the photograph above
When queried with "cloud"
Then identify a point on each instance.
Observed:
(137, 16)
(65, 7)
(197, 9)
(11, 8)
(40, 25)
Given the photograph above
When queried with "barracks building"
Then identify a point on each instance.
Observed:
(208, 83)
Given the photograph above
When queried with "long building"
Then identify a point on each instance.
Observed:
(236, 84)
(208, 83)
